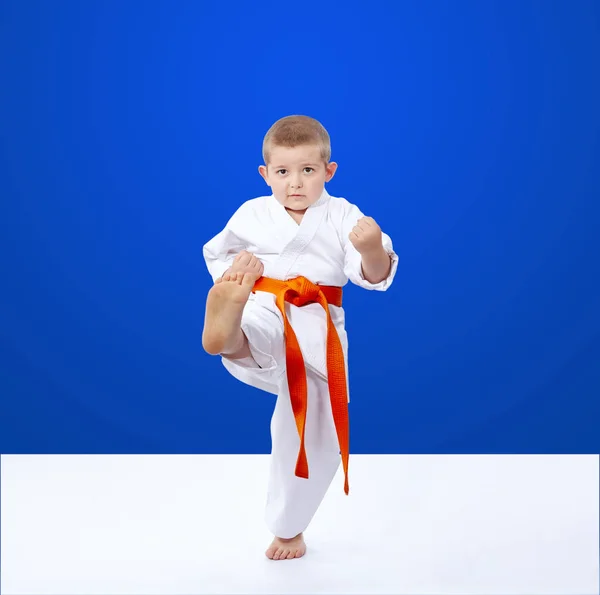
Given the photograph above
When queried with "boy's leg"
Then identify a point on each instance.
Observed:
(292, 501)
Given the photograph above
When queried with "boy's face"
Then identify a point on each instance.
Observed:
(297, 175)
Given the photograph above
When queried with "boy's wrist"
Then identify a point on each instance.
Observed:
(374, 253)
(376, 265)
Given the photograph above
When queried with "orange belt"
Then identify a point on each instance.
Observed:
(300, 291)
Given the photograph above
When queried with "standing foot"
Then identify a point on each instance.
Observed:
(287, 549)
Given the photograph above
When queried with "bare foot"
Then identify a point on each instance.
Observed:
(287, 549)
(224, 306)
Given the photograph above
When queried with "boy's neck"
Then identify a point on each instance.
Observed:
(296, 215)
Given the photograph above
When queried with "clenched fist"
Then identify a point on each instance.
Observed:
(366, 235)
(245, 262)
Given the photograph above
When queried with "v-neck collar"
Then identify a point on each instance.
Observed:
(283, 217)
(295, 237)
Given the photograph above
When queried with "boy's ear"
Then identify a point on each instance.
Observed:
(262, 170)
(330, 168)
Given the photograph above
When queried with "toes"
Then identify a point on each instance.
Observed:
(282, 553)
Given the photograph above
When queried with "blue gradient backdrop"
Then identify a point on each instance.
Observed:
(131, 131)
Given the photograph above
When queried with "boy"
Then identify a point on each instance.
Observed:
(274, 315)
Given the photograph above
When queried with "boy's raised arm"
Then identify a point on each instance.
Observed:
(367, 238)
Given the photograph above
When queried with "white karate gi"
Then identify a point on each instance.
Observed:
(319, 249)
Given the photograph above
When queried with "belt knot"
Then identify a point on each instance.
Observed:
(301, 291)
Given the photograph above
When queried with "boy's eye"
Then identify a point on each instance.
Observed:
(279, 171)
(309, 168)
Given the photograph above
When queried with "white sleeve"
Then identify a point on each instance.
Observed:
(353, 259)
(220, 252)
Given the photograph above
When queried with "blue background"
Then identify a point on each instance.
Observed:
(131, 131)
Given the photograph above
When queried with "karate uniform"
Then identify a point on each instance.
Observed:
(319, 249)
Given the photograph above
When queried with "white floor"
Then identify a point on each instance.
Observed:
(193, 524)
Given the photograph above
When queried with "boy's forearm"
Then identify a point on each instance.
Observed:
(376, 265)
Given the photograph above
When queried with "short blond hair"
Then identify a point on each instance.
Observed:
(293, 131)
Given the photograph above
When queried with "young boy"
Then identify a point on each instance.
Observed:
(274, 315)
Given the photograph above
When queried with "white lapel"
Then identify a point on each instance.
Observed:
(298, 237)
(287, 228)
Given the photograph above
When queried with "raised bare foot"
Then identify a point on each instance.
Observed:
(287, 549)
(224, 306)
